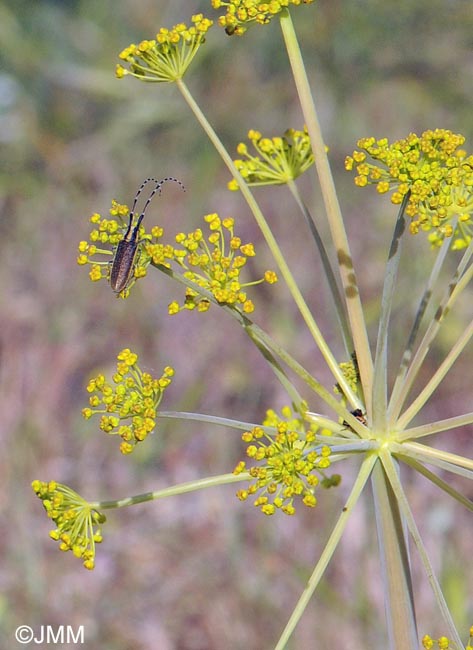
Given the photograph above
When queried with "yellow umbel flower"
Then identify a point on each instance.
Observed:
(290, 463)
(240, 14)
(433, 170)
(167, 57)
(277, 160)
(109, 232)
(351, 373)
(444, 643)
(78, 524)
(214, 264)
(129, 409)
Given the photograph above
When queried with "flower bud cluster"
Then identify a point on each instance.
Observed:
(78, 524)
(129, 405)
(435, 173)
(291, 463)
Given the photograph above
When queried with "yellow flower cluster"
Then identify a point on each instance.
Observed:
(433, 171)
(77, 522)
(277, 160)
(214, 264)
(444, 643)
(167, 57)
(351, 373)
(240, 14)
(129, 409)
(290, 462)
(110, 232)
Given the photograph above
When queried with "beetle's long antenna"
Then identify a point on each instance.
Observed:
(127, 248)
(157, 189)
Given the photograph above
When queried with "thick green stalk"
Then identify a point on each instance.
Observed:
(272, 244)
(334, 215)
(439, 459)
(402, 504)
(397, 580)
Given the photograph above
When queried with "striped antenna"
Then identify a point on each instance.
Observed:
(157, 189)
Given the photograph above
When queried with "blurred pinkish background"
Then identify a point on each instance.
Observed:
(202, 571)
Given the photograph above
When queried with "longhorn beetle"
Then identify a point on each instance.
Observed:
(125, 254)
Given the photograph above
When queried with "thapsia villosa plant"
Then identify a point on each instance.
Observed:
(430, 178)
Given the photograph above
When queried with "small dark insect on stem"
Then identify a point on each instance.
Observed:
(125, 254)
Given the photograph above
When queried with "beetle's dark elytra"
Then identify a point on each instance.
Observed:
(125, 254)
(122, 266)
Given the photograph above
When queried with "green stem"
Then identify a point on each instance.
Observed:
(436, 427)
(181, 488)
(438, 376)
(396, 571)
(309, 380)
(265, 340)
(380, 378)
(272, 244)
(338, 444)
(329, 550)
(459, 282)
(339, 236)
(428, 454)
(288, 385)
(391, 471)
(329, 274)
(208, 419)
(440, 483)
(402, 454)
(425, 301)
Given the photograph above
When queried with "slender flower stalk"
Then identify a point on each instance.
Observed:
(272, 244)
(380, 379)
(265, 341)
(168, 56)
(406, 362)
(395, 567)
(437, 427)
(78, 523)
(401, 501)
(335, 293)
(279, 161)
(181, 488)
(330, 547)
(439, 375)
(332, 206)
(459, 283)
